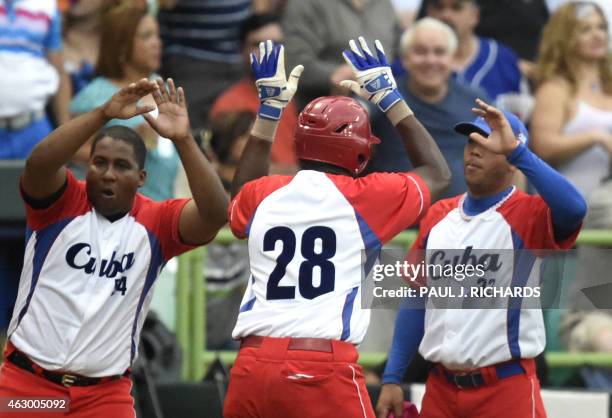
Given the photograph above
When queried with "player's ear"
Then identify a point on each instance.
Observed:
(143, 177)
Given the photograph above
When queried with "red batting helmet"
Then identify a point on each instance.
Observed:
(335, 130)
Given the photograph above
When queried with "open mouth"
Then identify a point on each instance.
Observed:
(108, 193)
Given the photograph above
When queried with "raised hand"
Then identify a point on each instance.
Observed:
(124, 103)
(172, 122)
(502, 139)
(375, 80)
(275, 91)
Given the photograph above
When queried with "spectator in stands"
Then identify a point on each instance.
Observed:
(606, 7)
(227, 266)
(517, 24)
(243, 95)
(201, 48)
(572, 123)
(479, 62)
(438, 101)
(130, 49)
(317, 31)
(81, 38)
(31, 73)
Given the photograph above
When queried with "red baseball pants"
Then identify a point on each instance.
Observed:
(513, 397)
(272, 381)
(110, 399)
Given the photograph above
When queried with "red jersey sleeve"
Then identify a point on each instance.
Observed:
(162, 220)
(531, 218)
(73, 202)
(243, 206)
(387, 202)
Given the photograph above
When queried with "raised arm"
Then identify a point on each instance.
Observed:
(567, 206)
(202, 217)
(44, 172)
(375, 83)
(275, 92)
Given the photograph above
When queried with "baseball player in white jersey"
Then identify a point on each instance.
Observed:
(94, 251)
(301, 315)
(484, 358)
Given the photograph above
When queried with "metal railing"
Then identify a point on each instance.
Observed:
(191, 312)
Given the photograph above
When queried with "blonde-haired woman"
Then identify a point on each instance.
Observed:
(572, 121)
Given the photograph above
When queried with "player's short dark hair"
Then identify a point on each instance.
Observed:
(256, 22)
(127, 135)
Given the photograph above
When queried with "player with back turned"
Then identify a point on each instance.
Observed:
(484, 358)
(301, 315)
(94, 251)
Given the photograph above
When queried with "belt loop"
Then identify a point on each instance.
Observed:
(337, 352)
(273, 348)
(489, 375)
(8, 349)
(344, 352)
(529, 366)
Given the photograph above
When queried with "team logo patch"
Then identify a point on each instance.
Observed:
(79, 257)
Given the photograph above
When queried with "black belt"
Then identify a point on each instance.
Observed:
(23, 362)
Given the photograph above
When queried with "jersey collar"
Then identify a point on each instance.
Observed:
(472, 206)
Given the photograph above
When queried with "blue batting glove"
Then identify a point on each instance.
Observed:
(375, 80)
(275, 91)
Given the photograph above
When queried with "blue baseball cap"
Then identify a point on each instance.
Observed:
(481, 126)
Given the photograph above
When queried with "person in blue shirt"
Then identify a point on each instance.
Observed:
(482, 62)
(479, 62)
(438, 101)
(31, 74)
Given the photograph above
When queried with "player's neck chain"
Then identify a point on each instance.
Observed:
(468, 218)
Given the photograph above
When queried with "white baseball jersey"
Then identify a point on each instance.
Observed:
(306, 236)
(87, 282)
(473, 338)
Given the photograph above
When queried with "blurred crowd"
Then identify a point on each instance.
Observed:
(547, 61)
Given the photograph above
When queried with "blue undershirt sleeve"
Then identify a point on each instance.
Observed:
(409, 330)
(568, 207)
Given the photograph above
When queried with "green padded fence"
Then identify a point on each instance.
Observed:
(191, 312)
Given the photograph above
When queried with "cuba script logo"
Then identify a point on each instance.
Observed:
(460, 264)
(79, 257)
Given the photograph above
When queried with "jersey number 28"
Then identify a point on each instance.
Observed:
(312, 260)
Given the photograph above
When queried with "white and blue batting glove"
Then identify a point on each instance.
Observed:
(275, 91)
(375, 80)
